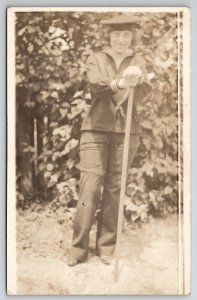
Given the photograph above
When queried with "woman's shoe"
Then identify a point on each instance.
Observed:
(106, 259)
(72, 262)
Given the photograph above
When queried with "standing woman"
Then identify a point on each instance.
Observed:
(110, 73)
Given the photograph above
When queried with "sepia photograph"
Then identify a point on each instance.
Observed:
(98, 151)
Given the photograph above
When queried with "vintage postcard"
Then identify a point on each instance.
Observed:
(98, 169)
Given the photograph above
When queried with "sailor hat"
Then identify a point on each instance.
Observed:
(122, 22)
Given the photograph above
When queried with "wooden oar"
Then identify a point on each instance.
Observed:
(123, 181)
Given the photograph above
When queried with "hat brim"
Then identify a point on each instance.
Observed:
(121, 21)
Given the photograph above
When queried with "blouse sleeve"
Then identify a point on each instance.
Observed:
(99, 83)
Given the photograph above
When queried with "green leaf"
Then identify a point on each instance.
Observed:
(168, 190)
(69, 146)
(146, 124)
(63, 112)
(153, 200)
(70, 163)
(22, 31)
(49, 167)
(63, 131)
(54, 95)
(30, 47)
(131, 207)
(77, 108)
(31, 29)
(78, 94)
(47, 174)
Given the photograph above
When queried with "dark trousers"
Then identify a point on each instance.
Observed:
(101, 167)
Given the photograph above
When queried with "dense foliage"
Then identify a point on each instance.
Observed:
(51, 51)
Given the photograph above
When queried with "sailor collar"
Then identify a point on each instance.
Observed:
(129, 53)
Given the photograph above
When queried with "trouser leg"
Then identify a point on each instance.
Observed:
(107, 226)
(106, 231)
(93, 154)
(89, 196)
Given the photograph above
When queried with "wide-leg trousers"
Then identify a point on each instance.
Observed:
(101, 155)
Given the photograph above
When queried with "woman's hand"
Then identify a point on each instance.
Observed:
(130, 77)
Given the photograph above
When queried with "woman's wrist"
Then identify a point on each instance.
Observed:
(114, 85)
(120, 84)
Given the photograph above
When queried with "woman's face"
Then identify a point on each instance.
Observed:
(120, 40)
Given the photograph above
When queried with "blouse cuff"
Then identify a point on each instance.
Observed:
(114, 86)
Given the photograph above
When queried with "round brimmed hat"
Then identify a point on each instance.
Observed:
(121, 22)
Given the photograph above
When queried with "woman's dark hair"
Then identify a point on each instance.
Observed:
(104, 32)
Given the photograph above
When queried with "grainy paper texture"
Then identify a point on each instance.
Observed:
(48, 98)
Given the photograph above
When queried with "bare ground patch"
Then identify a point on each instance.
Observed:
(148, 265)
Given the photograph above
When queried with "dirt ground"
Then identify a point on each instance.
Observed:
(148, 263)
